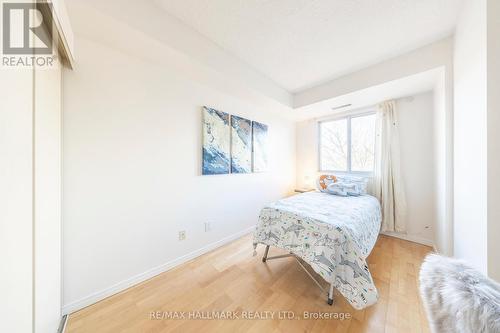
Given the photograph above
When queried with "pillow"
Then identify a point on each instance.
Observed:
(352, 189)
(344, 189)
(361, 182)
(324, 181)
(337, 189)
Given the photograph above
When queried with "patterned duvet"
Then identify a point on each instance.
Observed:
(333, 234)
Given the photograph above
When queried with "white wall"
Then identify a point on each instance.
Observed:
(307, 160)
(417, 137)
(443, 136)
(418, 165)
(132, 161)
(470, 138)
(493, 139)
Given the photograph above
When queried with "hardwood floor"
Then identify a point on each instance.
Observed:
(231, 279)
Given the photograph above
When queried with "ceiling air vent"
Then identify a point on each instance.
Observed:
(340, 107)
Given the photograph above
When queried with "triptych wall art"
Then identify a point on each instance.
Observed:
(232, 144)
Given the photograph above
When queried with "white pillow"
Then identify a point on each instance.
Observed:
(361, 182)
(352, 189)
(344, 189)
(336, 189)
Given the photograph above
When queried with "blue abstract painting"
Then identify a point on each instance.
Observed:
(241, 145)
(259, 147)
(216, 142)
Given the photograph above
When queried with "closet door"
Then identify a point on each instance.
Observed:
(47, 198)
(16, 198)
(30, 175)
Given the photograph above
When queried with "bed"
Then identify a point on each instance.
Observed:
(332, 234)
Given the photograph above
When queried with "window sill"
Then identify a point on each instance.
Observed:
(350, 174)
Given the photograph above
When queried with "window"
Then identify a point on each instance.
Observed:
(347, 144)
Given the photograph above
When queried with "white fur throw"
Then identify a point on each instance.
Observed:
(458, 298)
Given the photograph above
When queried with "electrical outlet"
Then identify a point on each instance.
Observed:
(182, 235)
(207, 226)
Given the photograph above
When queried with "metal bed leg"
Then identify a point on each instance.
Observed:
(264, 258)
(330, 292)
(330, 295)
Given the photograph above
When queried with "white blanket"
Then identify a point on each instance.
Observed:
(332, 234)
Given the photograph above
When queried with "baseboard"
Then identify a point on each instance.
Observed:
(62, 324)
(125, 284)
(411, 238)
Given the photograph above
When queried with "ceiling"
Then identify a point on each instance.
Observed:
(302, 43)
(404, 87)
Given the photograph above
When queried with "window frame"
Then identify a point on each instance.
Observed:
(348, 118)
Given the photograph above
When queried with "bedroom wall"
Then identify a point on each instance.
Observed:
(132, 163)
(477, 73)
(418, 165)
(470, 135)
(493, 139)
(417, 158)
(443, 154)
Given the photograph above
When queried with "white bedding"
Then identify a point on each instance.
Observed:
(333, 234)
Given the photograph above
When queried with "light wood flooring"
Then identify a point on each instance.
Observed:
(231, 279)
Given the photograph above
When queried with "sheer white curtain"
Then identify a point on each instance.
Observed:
(387, 184)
